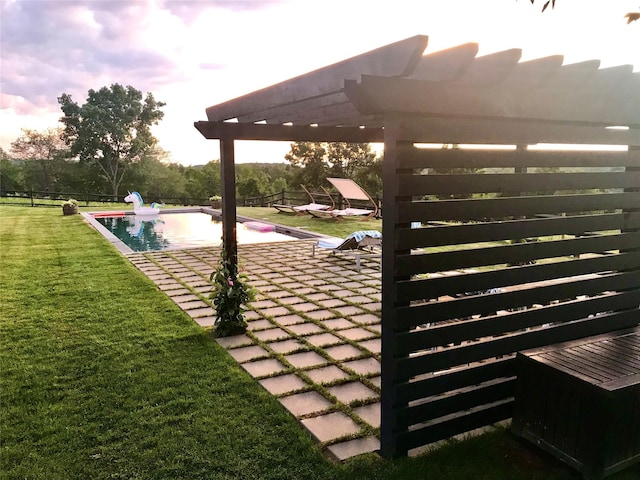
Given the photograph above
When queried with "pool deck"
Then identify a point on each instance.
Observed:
(314, 332)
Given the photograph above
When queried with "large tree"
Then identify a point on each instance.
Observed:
(40, 147)
(321, 160)
(112, 129)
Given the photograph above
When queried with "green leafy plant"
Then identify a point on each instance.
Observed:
(70, 207)
(230, 295)
(215, 201)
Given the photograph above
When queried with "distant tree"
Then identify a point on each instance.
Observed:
(203, 181)
(345, 159)
(309, 162)
(10, 175)
(155, 177)
(251, 181)
(314, 161)
(42, 148)
(111, 130)
(369, 177)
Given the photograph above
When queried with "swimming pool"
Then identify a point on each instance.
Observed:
(178, 230)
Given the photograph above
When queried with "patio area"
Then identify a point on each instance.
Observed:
(314, 332)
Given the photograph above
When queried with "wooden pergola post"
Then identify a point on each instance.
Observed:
(228, 180)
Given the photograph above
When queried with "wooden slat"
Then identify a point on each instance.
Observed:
(506, 277)
(482, 209)
(421, 158)
(456, 333)
(452, 403)
(332, 115)
(514, 254)
(446, 64)
(396, 59)
(436, 184)
(459, 234)
(429, 386)
(288, 111)
(490, 70)
(533, 73)
(496, 131)
(448, 427)
(440, 360)
(433, 312)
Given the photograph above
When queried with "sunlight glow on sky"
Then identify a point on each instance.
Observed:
(192, 54)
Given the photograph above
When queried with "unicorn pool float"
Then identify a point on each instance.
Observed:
(138, 205)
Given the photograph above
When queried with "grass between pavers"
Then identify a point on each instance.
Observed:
(103, 376)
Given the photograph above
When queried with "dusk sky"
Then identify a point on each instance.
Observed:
(192, 54)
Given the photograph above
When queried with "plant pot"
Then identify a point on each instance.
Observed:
(217, 204)
(69, 209)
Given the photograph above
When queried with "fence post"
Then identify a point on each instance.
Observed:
(282, 197)
(32, 197)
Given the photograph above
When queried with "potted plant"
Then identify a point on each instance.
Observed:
(230, 296)
(215, 201)
(70, 207)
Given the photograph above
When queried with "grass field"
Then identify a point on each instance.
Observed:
(103, 377)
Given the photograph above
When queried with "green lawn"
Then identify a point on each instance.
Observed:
(328, 226)
(102, 376)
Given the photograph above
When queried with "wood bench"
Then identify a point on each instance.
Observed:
(580, 401)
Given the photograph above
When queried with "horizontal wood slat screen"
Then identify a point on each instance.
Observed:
(493, 252)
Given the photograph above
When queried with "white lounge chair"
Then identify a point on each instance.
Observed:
(349, 190)
(363, 243)
(312, 206)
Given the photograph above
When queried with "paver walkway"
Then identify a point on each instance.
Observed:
(314, 332)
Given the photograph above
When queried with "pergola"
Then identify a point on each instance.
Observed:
(519, 247)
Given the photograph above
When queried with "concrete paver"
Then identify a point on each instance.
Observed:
(244, 354)
(357, 333)
(271, 334)
(286, 320)
(286, 346)
(369, 413)
(323, 339)
(234, 341)
(283, 384)
(352, 391)
(327, 374)
(331, 426)
(351, 448)
(261, 324)
(305, 328)
(263, 368)
(305, 359)
(364, 366)
(301, 404)
(342, 352)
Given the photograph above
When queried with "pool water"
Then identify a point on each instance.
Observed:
(179, 230)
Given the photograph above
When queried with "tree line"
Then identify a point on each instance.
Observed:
(105, 146)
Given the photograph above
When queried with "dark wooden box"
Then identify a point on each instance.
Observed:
(580, 401)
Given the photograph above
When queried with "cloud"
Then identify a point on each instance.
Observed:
(189, 10)
(51, 47)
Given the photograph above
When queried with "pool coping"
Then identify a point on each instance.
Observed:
(126, 250)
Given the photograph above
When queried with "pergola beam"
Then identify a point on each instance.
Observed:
(287, 133)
